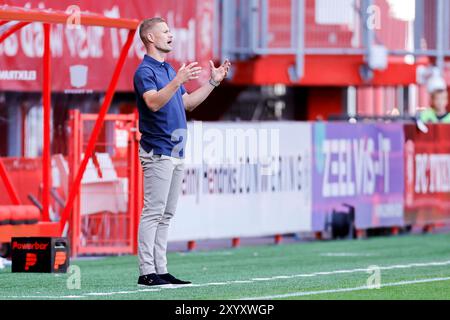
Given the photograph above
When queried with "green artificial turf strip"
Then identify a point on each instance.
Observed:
(118, 275)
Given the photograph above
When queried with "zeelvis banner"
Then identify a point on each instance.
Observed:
(427, 179)
(360, 165)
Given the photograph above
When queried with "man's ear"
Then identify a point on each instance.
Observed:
(150, 37)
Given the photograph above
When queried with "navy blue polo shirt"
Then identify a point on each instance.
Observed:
(165, 130)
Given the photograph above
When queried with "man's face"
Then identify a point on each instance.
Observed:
(439, 101)
(162, 37)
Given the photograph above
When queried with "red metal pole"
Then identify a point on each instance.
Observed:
(97, 127)
(46, 99)
(8, 185)
(132, 184)
(55, 16)
(13, 29)
(138, 195)
(74, 162)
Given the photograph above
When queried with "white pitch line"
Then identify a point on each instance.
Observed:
(43, 297)
(310, 293)
(346, 254)
(305, 275)
(364, 270)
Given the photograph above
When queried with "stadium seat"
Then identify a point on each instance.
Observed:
(19, 214)
(5, 215)
(33, 215)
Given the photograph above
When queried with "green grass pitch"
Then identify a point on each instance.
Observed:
(409, 267)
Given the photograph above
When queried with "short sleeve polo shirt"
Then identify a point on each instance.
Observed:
(164, 132)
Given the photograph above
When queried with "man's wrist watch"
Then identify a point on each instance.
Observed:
(214, 83)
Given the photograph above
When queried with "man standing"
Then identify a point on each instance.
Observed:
(162, 101)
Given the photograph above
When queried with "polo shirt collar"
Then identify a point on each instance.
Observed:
(153, 61)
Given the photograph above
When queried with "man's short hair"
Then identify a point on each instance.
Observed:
(146, 25)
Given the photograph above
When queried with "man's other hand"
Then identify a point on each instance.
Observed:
(187, 73)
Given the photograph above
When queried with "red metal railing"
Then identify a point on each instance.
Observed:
(105, 232)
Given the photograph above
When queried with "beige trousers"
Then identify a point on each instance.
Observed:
(163, 176)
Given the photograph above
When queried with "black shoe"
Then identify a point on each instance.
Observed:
(171, 279)
(151, 279)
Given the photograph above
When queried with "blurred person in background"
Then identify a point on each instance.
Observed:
(437, 112)
(162, 102)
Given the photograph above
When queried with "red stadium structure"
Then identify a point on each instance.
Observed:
(45, 227)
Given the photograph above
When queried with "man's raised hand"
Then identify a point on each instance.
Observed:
(219, 73)
(189, 72)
